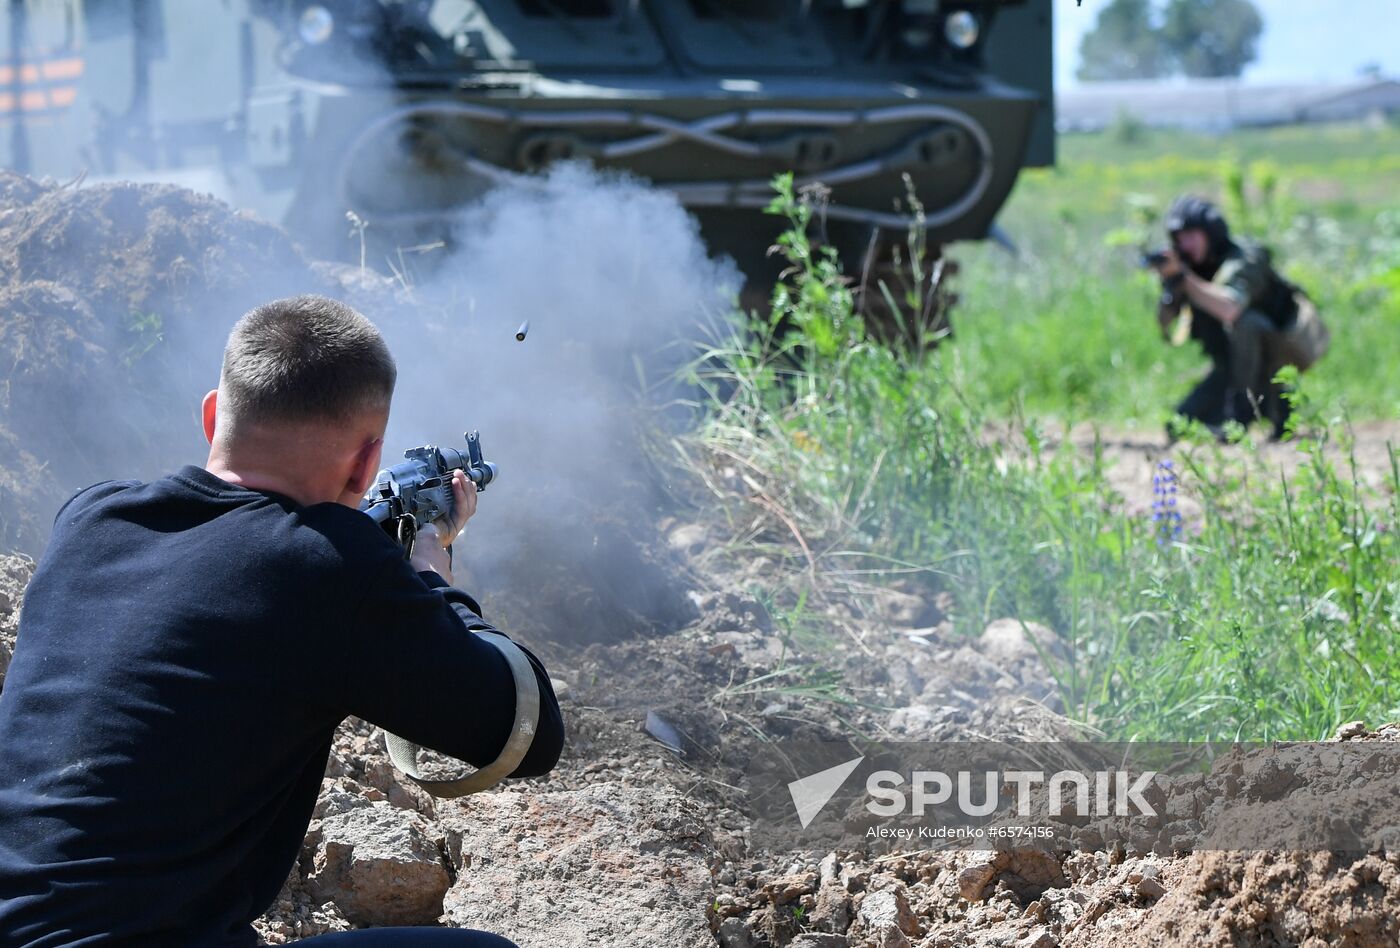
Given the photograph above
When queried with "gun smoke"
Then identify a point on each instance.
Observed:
(613, 284)
(118, 297)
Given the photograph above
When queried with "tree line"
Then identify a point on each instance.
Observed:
(1138, 39)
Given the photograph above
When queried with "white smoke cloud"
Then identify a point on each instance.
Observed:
(609, 272)
(614, 280)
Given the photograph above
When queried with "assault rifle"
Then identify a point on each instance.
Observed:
(1178, 329)
(418, 490)
(1153, 258)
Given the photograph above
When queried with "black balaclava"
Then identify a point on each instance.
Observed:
(1189, 211)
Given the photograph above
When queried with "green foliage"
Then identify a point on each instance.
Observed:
(1124, 44)
(147, 332)
(815, 300)
(1127, 128)
(1199, 38)
(1211, 37)
(1144, 213)
(1271, 617)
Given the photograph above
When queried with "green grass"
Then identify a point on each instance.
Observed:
(1273, 619)
(1068, 329)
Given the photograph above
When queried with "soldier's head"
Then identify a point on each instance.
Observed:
(303, 396)
(1197, 229)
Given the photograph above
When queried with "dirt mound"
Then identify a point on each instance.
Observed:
(610, 847)
(30, 494)
(139, 248)
(1279, 899)
(944, 688)
(115, 301)
(1098, 900)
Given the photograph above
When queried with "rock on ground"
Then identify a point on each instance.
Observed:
(605, 865)
(1009, 642)
(1026, 872)
(885, 920)
(381, 866)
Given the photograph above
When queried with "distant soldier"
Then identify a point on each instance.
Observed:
(1250, 321)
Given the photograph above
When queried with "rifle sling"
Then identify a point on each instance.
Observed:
(404, 754)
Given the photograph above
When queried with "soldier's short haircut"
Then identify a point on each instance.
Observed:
(304, 358)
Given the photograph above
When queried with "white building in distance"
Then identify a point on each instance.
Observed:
(1217, 105)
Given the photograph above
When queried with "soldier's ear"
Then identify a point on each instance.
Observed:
(209, 411)
(366, 466)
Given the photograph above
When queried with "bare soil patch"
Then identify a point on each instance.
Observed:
(1132, 458)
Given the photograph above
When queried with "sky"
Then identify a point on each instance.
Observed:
(1303, 39)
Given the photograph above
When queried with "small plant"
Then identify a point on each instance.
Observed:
(1233, 180)
(914, 291)
(814, 298)
(1166, 517)
(1144, 212)
(146, 328)
(358, 227)
(1127, 128)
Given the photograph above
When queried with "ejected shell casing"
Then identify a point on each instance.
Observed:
(520, 333)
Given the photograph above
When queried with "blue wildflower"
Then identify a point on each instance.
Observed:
(1166, 518)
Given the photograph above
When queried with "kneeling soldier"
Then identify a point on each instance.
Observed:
(188, 646)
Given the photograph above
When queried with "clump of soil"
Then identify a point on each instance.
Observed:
(134, 248)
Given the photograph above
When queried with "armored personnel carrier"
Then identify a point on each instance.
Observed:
(399, 111)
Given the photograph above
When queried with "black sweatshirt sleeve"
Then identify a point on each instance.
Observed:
(411, 664)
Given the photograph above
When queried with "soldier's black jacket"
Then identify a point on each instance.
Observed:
(185, 652)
